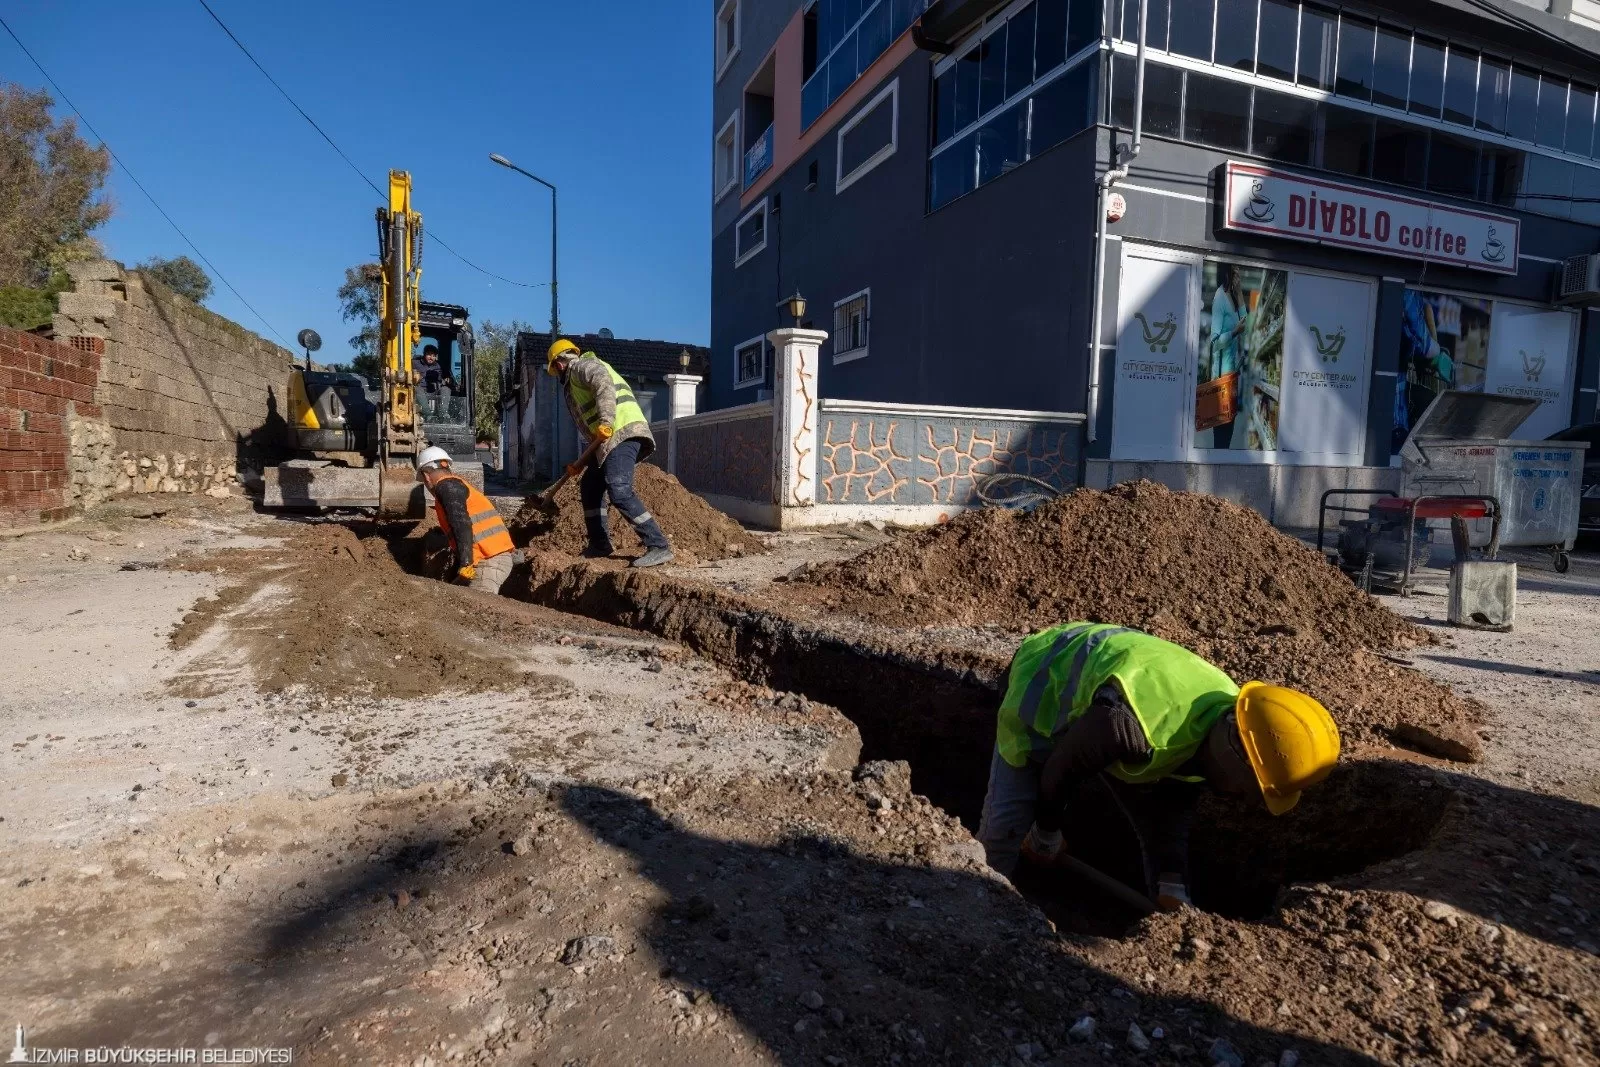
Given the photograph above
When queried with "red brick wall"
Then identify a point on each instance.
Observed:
(40, 382)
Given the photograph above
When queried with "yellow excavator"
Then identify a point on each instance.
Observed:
(356, 449)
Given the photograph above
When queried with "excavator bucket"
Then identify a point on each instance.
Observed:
(313, 484)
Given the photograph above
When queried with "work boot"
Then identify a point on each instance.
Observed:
(597, 552)
(654, 558)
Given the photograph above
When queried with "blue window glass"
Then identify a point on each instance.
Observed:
(1391, 67)
(992, 71)
(1280, 25)
(814, 97)
(874, 35)
(1461, 86)
(1494, 95)
(1191, 29)
(1019, 51)
(1427, 77)
(1050, 37)
(1522, 109)
(1346, 141)
(842, 70)
(953, 172)
(1163, 96)
(1552, 132)
(1067, 105)
(1580, 121)
(1217, 113)
(1083, 23)
(1452, 164)
(1284, 127)
(967, 76)
(1547, 186)
(1500, 174)
(1400, 154)
(904, 14)
(1319, 46)
(944, 106)
(1586, 195)
(1003, 142)
(1355, 58)
(1236, 34)
(1156, 37)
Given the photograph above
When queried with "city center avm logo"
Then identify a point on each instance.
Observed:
(1158, 335)
(1329, 346)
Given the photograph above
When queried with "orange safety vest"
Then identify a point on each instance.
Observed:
(489, 535)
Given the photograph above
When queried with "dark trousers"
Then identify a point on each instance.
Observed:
(1161, 814)
(614, 478)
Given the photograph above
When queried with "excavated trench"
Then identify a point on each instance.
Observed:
(935, 710)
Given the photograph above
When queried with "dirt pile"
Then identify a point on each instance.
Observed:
(336, 613)
(1211, 575)
(697, 530)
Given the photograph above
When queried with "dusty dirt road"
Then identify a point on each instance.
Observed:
(591, 846)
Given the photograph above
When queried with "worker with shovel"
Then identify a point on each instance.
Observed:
(1156, 720)
(484, 554)
(608, 416)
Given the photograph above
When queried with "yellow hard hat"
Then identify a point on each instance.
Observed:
(557, 350)
(1290, 738)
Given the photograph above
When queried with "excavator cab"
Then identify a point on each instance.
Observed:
(446, 394)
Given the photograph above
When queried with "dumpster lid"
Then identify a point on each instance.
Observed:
(1461, 415)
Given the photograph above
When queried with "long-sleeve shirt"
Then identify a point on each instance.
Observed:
(595, 376)
(452, 496)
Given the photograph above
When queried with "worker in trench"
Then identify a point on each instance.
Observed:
(1158, 723)
(482, 554)
(603, 406)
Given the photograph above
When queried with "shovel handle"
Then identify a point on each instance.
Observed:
(583, 460)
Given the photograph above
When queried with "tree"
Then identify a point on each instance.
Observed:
(361, 301)
(493, 349)
(182, 275)
(50, 190)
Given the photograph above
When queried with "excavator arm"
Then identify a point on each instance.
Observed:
(399, 437)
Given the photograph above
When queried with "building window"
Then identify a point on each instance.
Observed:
(842, 39)
(852, 321)
(750, 363)
(725, 164)
(869, 138)
(727, 35)
(750, 235)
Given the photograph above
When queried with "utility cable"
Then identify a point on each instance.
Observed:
(140, 185)
(341, 153)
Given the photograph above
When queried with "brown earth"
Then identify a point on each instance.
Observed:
(1208, 574)
(696, 529)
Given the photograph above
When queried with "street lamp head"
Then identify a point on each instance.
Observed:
(496, 157)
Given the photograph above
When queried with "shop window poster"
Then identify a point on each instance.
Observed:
(1240, 368)
(1444, 344)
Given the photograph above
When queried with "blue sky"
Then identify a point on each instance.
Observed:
(608, 100)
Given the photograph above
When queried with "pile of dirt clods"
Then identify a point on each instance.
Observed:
(1211, 575)
(697, 530)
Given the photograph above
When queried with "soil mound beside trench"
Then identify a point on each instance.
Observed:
(1208, 574)
(697, 530)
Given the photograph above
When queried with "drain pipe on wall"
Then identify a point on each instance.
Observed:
(1125, 155)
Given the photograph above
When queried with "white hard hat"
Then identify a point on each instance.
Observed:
(431, 455)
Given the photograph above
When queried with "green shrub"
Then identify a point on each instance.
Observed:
(22, 308)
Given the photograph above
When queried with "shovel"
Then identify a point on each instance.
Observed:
(546, 501)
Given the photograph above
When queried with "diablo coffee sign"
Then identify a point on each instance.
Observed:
(1301, 208)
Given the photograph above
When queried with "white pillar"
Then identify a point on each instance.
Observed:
(681, 402)
(794, 415)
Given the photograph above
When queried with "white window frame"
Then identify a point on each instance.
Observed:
(851, 354)
(741, 258)
(843, 181)
(760, 379)
(725, 60)
(736, 165)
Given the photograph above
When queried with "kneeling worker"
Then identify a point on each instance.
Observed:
(484, 554)
(1157, 720)
(603, 406)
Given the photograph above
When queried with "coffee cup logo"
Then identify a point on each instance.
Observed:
(1330, 346)
(1260, 208)
(1157, 335)
(1493, 250)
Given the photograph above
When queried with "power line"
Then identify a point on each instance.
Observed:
(140, 185)
(348, 161)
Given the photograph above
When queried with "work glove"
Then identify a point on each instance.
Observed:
(604, 432)
(574, 469)
(467, 573)
(1043, 847)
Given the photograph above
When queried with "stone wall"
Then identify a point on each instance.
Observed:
(50, 427)
(188, 396)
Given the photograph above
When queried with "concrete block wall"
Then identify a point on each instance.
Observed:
(50, 427)
(188, 395)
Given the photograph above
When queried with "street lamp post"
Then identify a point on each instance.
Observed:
(555, 306)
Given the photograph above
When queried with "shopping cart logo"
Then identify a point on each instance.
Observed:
(1158, 335)
(1540, 499)
(1493, 250)
(1330, 346)
(1260, 208)
(1532, 366)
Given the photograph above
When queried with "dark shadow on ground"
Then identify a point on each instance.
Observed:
(1498, 667)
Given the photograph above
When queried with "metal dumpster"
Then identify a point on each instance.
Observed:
(1463, 445)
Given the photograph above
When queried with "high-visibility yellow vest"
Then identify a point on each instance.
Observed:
(1176, 695)
(489, 535)
(628, 409)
